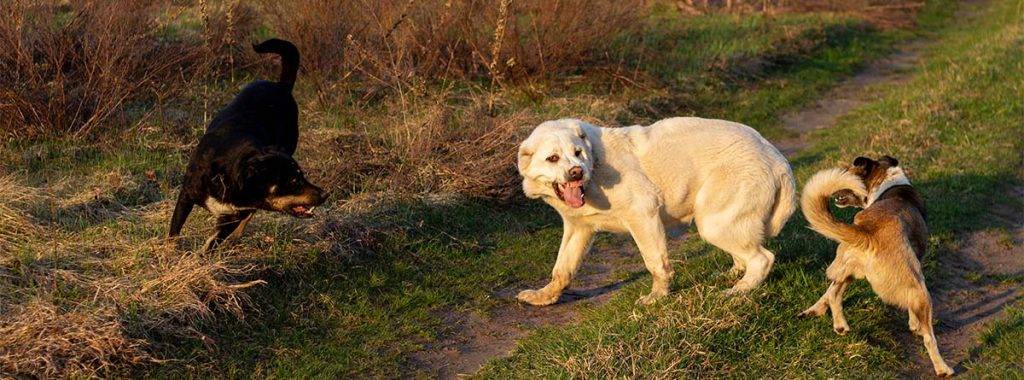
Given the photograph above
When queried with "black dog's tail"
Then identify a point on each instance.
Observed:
(289, 57)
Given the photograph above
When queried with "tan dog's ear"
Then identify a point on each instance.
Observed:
(524, 158)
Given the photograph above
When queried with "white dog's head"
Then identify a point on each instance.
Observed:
(557, 160)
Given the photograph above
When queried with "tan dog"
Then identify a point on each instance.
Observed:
(882, 245)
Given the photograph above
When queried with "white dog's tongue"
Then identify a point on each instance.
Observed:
(572, 192)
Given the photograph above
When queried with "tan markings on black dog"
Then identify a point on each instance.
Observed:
(882, 245)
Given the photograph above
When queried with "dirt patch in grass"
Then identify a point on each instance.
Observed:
(474, 339)
(846, 97)
(979, 281)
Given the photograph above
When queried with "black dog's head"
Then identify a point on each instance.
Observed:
(274, 182)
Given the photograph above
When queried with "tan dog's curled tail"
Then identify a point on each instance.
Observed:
(814, 203)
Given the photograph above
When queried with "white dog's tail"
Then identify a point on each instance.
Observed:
(785, 201)
(818, 191)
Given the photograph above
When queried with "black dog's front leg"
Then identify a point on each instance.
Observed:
(181, 210)
(227, 226)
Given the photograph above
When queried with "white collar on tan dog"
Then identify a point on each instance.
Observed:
(894, 176)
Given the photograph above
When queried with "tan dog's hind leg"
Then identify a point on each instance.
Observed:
(923, 312)
(575, 244)
(649, 235)
(913, 322)
(835, 303)
(819, 307)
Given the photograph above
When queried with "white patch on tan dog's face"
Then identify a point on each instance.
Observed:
(556, 160)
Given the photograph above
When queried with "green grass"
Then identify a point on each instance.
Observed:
(323, 313)
(1000, 354)
(330, 310)
(957, 125)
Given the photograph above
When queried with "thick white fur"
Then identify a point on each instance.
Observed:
(732, 182)
(894, 176)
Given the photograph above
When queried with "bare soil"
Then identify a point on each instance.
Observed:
(978, 282)
(474, 338)
(846, 97)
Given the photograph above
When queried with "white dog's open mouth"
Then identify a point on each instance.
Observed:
(571, 193)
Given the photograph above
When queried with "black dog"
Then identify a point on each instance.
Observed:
(244, 161)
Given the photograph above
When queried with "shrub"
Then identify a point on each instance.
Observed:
(393, 40)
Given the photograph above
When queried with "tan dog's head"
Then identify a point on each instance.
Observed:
(556, 160)
(878, 176)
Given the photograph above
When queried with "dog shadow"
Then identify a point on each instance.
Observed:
(574, 295)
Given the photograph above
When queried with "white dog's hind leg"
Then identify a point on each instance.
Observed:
(758, 265)
(649, 234)
(742, 242)
(575, 244)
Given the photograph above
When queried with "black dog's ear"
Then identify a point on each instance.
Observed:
(862, 162)
(889, 160)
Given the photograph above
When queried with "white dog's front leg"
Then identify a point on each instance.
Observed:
(649, 234)
(575, 244)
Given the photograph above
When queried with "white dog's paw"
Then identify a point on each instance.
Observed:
(537, 297)
(741, 287)
(651, 298)
(943, 370)
(736, 271)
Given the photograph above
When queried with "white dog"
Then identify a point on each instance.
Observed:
(642, 180)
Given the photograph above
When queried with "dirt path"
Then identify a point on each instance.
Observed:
(846, 97)
(979, 280)
(475, 339)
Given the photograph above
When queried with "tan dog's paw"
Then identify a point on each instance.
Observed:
(841, 328)
(943, 370)
(537, 297)
(814, 311)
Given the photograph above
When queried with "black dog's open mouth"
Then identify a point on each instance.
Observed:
(302, 211)
(571, 193)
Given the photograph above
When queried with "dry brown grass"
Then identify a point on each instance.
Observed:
(72, 305)
(389, 42)
(431, 146)
(42, 340)
(72, 68)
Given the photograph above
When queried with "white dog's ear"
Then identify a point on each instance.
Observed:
(582, 133)
(524, 158)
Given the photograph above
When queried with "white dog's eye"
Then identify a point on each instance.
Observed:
(579, 152)
(553, 158)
